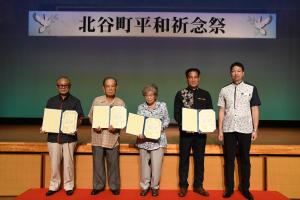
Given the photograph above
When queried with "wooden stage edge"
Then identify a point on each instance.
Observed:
(211, 149)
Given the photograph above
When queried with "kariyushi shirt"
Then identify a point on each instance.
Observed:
(191, 98)
(105, 138)
(237, 100)
(69, 103)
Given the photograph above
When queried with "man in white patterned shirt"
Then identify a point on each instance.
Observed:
(238, 123)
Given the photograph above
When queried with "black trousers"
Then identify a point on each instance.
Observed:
(234, 143)
(187, 142)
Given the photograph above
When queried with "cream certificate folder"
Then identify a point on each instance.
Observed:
(135, 124)
(104, 116)
(194, 120)
(69, 122)
(189, 120)
(152, 128)
(207, 120)
(101, 117)
(118, 117)
(55, 121)
(140, 125)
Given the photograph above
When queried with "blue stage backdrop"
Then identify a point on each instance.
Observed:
(30, 65)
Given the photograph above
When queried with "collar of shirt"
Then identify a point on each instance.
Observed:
(145, 105)
(239, 84)
(104, 101)
(67, 96)
(192, 89)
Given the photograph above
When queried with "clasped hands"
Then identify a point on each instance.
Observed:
(110, 129)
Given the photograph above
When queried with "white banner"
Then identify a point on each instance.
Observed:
(152, 24)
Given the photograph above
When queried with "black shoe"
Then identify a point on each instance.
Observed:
(227, 193)
(247, 195)
(96, 191)
(69, 192)
(240, 188)
(144, 192)
(201, 191)
(155, 192)
(182, 192)
(115, 192)
(50, 192)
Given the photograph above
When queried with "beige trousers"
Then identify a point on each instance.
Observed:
(57, 152)
(151, 162)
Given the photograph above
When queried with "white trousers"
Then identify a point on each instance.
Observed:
(57, 152)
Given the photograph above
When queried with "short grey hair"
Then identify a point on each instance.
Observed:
(148, 88)
(64, 77)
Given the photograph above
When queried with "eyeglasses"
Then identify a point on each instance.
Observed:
(63, 86)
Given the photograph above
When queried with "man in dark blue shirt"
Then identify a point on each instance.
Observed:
(196, 98)
(63, 145)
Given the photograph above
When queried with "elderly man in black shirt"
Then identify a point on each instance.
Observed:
(196, 98)
(63, 145)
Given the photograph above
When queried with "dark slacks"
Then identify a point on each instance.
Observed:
(237, 142)
(113, 170)
(196, 142)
